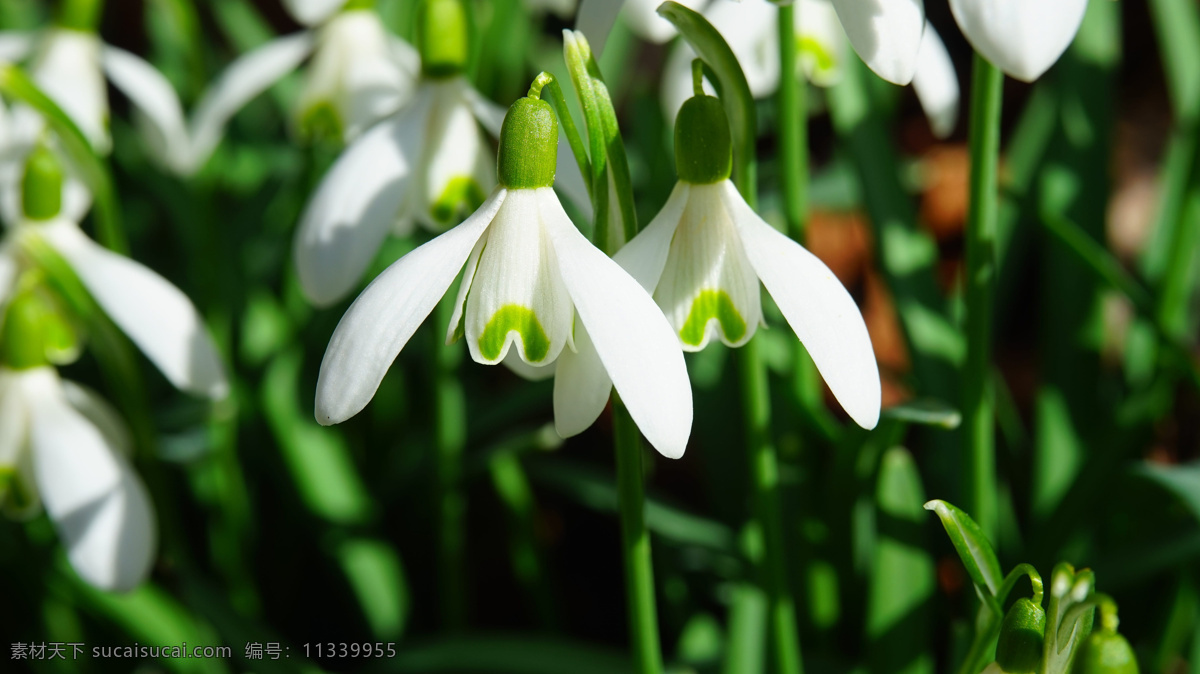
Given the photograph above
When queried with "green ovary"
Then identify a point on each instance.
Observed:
(711, 304)
(461, 192)
(519, 319)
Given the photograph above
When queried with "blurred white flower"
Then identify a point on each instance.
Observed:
(1021, 37)
(533, 290)
(63, 447)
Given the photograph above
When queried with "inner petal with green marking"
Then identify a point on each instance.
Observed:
(524, 322)
(712, 305)
(463, 194)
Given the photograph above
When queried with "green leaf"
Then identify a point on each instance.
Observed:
(376, 576)
(15, 84)
(735, 91)
(972, 546)
(1183, 481)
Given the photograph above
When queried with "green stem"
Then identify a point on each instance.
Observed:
(635, 543)
(450, 438)
(764, 476)
(987, 90)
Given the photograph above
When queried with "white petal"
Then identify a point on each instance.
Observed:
(634, 341)
(156, 99)
(354, 206)
(517, 295)
(312, 12)
(527, 371)
(67, 69)
(886, 34)
(455, 158)
(101, 414)
(383, 318)
(581, 386)
(642, 18)
(156, 315)
(244, 79)
(98, 504)
(936, 84)
(489, 114)
(645, 256)
(454, 329)
(14, 421)
(818, 308)
(708, 288)
(1021, 37)
(15, 45)
(822, 44)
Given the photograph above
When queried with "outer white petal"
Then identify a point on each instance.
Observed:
(936, 84)
(1021, 37)
(645, 256)
(312, 12)
(886, 34)
(581, 386)
(244, 79)
(15, 45)
(518, 273)
(356, 203)
(633, 339)
(100, 507)
(156, 99)
(67, 69)
(818, 308)
(156, 315)
(645, 21)
(707, 285)
(14, 421)
(101, 414)
(383, 318)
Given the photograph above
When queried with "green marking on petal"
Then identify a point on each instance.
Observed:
(522, 320)
(461, 193)
(321, 122)
(710, 304)
(821, 54)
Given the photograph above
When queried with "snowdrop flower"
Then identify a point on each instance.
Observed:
(533, 288)
(1021, 37)
(885, 33)
(63, 448)
(705, 253)
(156, 315)
(750, 29)
(359, 73)
(429, 164)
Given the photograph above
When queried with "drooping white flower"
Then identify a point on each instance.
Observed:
(62, 446)
(750, 30)
(359, 73)
(705, 253)
(885, 33)
(1021, 37)
(533, 287)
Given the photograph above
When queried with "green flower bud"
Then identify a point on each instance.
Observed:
(36, 332)
(442, 39)
(1105, 652)
(528, 145)
(41, 184)
(703, 145)
(1019, 650)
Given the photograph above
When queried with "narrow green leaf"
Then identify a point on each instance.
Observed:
(1183, 481)
(735, 91)
(376, 576)
(972, 546)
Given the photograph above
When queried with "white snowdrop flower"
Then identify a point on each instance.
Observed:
(62, 447)
(359, 74)
(533, 289)
(705, 253)
(156, 315)
(885, 33)
(1021, 37)
(750, 29)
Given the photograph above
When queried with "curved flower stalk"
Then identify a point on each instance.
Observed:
(63, 448)
(533, 287)
(705, 253)
(749, 28)
(885, 33)
(1021, 37)
(359, 74)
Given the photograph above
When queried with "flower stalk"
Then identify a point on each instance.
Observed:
(978, 420)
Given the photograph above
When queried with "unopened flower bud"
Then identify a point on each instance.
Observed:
(1105, 652)
(1019, 650)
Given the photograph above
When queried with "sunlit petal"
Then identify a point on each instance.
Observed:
(67, 69)
(886, 34)
(1021, 37)
(936, 84)
(312, 12)
(645, 256)
(387, 313)
(157, 101)
(15, 45)
(581, 386)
